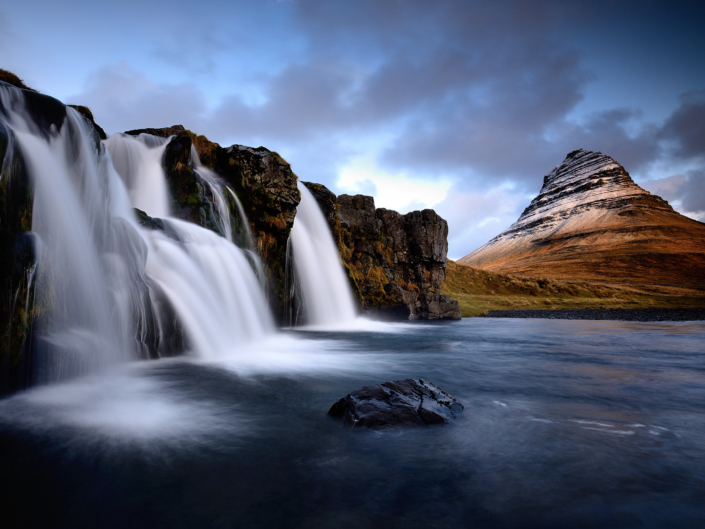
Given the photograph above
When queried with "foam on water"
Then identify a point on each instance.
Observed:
(128, 406)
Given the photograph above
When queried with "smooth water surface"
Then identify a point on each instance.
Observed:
(566, 424)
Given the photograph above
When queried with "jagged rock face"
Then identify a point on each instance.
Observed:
(592, 222)
(396, 262)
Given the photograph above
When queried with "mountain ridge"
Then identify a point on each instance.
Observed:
(590, 221)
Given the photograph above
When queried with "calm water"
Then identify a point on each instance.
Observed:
(566, 424)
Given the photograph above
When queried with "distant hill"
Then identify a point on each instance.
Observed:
(591, 222)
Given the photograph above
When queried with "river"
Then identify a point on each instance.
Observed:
(566, 424)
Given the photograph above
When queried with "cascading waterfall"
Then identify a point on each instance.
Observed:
(82, 288)
(102, 280)
(324, 286)
(215, 188)
(206, 278)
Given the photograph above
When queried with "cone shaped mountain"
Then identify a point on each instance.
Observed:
(591, 222)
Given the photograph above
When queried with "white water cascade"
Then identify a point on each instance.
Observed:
(327, 297)
(103, 282)
(84, 288)
(206, 278)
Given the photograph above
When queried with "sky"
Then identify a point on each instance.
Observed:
(457, 105)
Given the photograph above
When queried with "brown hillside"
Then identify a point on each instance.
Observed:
(591, 222)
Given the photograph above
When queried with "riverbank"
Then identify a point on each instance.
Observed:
(603, 314)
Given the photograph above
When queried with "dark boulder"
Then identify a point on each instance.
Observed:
(410, 402)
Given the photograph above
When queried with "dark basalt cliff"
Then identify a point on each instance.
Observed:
(396, 262)
(592, 222)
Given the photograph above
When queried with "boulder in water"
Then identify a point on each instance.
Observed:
(410, 402)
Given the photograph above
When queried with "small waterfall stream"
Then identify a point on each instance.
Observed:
(327, 298)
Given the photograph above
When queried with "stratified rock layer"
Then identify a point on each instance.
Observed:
(410, 402)
(396, 262)
(592, 222)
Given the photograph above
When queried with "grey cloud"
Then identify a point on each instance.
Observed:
(686, 126)
(194, 51)
(123, 99)
(669, 188)
(688, 188)
(608, 132)
(694, 192)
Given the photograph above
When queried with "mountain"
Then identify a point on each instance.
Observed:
(591, 222)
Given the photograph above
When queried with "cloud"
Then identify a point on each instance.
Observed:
(480, 96)
(669, 188)
(6, 35)
(686, 126)
(123, 99)
(475, 217)
(686, 190)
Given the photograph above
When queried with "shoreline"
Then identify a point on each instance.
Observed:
(643, 315)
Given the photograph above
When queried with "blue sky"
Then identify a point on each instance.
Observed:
(458, 105)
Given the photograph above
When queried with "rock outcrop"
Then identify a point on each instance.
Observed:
(410, 402)
(592, 222)
(396, 262)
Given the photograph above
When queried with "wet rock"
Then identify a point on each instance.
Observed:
(410, 402)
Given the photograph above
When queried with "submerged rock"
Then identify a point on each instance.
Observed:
(410, 402)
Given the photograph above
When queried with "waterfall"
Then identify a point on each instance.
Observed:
(138, 161)
(208, 281)
(104, 286)
(327, 298)
(83, 292)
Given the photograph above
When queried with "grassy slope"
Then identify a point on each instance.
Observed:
(479, 291)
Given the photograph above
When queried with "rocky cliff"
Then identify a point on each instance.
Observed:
(396, 263)
(590, 221)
